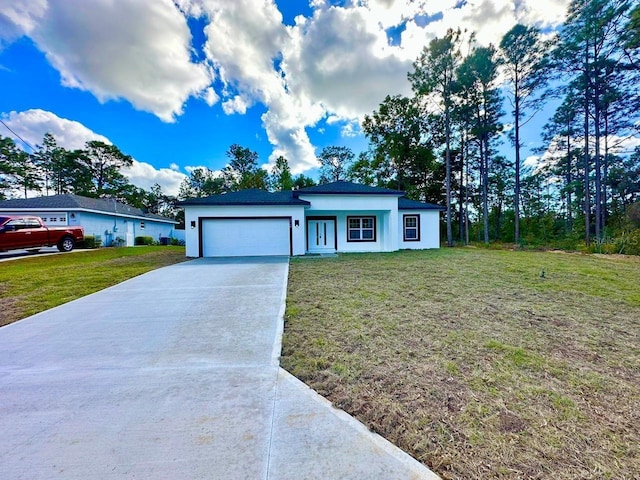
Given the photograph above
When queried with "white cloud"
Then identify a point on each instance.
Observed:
(489, 19)
(341, 58)
(20, 17)
(144, 175)
(532, 161)
(237, 104)
(245, 41)
(133, 50)
(31, 125)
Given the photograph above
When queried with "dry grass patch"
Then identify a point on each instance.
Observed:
(481, 364)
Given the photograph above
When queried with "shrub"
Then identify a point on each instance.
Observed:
(176, 242)
(629, 243)
(91, 241)
(144, 240)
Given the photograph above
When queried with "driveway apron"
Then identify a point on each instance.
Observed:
(174, 375)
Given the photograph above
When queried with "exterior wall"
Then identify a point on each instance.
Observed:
(429, 229)
(383, 207)
(112, 227)
(192, 214)
(178, 234)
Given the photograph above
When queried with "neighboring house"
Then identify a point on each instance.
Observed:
(335, 217)
(111, 221)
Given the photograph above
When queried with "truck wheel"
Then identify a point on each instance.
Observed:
(66, 244)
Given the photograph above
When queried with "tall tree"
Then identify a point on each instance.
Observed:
(362, 170)
(8, 166)
(396, 132)
(301, 181)
(281, 178)
(477, 76)
(201, 182)
(561, 136)
(433, 77)
(104, 162)
(243, 172)
(523, 56)
(17, 169)
(335, 163)
(593, 33)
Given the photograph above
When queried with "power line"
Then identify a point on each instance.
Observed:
(19, 137)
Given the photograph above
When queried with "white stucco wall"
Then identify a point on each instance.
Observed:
(193, 213)
(429, 229)
(383, 207)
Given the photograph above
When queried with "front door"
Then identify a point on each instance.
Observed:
(321, 235)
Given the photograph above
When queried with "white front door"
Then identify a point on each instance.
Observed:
(322, 235)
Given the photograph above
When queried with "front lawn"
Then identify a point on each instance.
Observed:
(31, 285)
(481, 364)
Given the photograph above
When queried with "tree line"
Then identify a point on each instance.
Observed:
(442, 143)
(93, 171)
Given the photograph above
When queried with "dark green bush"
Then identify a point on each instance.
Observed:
(91, 241)
(145, 240)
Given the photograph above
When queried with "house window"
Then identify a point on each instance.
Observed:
(411, 228)
(361, 229)
(141, 224)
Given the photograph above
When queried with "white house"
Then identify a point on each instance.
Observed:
(107, 219)
(335, 217)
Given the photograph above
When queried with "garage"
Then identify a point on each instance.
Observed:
(236, 237)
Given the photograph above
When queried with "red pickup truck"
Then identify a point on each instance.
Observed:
(31, 233)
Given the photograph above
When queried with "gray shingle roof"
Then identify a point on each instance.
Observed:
(252, 196)
(347, 188)
(76, 202)
(406, 204)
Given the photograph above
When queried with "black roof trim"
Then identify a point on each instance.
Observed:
(252, 196)
(405, 203)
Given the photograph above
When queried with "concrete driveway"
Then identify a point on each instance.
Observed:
(174, 375)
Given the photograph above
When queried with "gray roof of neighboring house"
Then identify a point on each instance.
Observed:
(252, 196)
(347, 188)
(76, 202)
(406, 204)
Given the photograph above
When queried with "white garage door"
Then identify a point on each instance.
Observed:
(238, 237)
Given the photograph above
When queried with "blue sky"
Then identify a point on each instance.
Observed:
(175, 83)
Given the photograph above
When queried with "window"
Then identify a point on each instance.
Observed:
(14, 225)
(411, 228)
(361, 229)
(32, 223)
(141, 224)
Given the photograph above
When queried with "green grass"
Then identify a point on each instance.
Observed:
(31, 285)
(475, 362)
